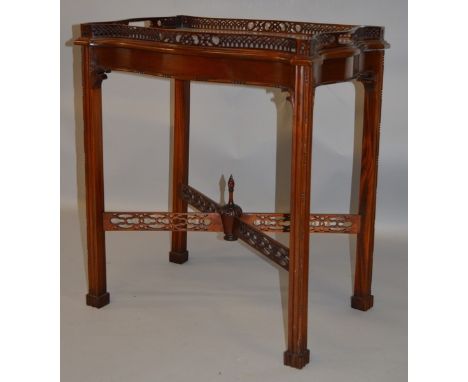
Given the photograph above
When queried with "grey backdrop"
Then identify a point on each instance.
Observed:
(234, 129)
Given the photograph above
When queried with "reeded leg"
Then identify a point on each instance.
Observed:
(180, 163)
(297, 354)
(372, 81)
(92, 78)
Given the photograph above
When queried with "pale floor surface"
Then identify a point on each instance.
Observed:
(219, 317)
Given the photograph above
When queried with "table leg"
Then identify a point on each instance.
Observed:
(180, 164)
(92, 79)
(372, 80)
(297, 354)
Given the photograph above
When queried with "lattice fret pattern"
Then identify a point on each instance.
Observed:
(318, 223)
(135, 221)
(282, 36)
(263, 243)
(198, 200)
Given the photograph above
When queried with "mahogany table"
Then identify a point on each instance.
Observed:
(294, 56)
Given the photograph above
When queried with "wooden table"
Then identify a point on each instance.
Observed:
(294, 56)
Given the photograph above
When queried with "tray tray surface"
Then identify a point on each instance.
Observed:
(294, 37)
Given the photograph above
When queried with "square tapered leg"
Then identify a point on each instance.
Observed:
(92, 80)
(297, 354)
(180, 164)
(372, 82)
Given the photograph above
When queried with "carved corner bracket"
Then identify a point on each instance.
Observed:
(307, 83)
(98, 74)
(368, 79)
(289, 96)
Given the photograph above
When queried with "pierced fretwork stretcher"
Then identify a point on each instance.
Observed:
(294, 56)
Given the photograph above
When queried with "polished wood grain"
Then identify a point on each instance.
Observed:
(297, 354)
(180, 164)
(294, 56)
(372, 79)
(94, 175)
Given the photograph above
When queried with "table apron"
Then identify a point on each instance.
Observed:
(196, 68)
(216, 68)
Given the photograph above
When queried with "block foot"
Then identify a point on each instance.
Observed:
(362, 302)
(97, 301)
(230, 237)
(297, 360)
(178, 257)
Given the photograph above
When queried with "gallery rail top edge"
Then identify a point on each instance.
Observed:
(289, 38)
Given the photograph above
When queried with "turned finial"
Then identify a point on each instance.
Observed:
(229, 213)
(231, 185)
